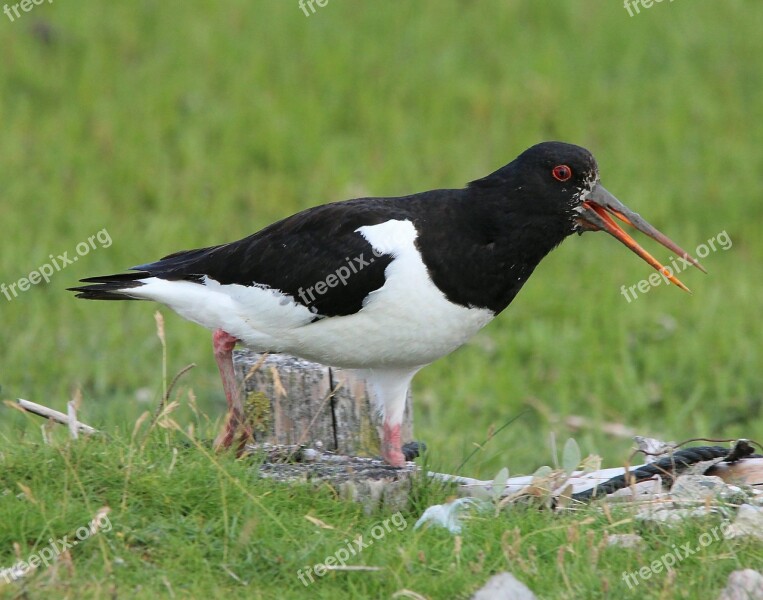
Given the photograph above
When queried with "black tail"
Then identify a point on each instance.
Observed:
(177, 266)
(110, 287)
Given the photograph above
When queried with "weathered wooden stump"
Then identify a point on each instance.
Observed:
(294, 401)
(320, 424)
(369, 481)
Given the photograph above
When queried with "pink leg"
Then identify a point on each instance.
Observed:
(389, 389)
(391, 449)
(223, 345)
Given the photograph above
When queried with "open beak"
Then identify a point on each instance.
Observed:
(594, 215)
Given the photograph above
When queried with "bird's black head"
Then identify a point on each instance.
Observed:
(550, 178)
(556, 185)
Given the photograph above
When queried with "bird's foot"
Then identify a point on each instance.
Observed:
(394, 458)
(391, 449)
(235, 427)
(225, 438)
(247, 437)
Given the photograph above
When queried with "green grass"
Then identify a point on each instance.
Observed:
(186, 523)
(176, 125)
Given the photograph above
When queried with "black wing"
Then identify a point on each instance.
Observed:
(315, 256)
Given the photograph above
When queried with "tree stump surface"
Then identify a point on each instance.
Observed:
(369, 481)
(295, 401)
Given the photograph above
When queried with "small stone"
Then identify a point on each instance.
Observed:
(748, 523)
(625, 540)
(504, 586)
(413, 450)
(689, 490)
(310, 455)
(743, 585)
(672, 516)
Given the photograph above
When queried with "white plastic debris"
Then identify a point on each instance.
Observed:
(449, 515)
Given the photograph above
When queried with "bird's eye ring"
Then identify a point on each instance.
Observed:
(561, 172)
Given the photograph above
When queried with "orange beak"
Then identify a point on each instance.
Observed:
(594, 215)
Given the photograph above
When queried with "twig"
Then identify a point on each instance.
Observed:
(71, 409)
(168, 391)
(54, 415)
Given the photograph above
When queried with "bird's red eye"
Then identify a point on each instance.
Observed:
(561, 172)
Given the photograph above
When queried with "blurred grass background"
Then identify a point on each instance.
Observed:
(179, 125)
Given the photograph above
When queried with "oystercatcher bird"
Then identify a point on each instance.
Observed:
(384, 285)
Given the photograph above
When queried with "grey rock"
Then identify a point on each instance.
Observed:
(504, 586)
(625, 540)
(748, 523)
(743, 585)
